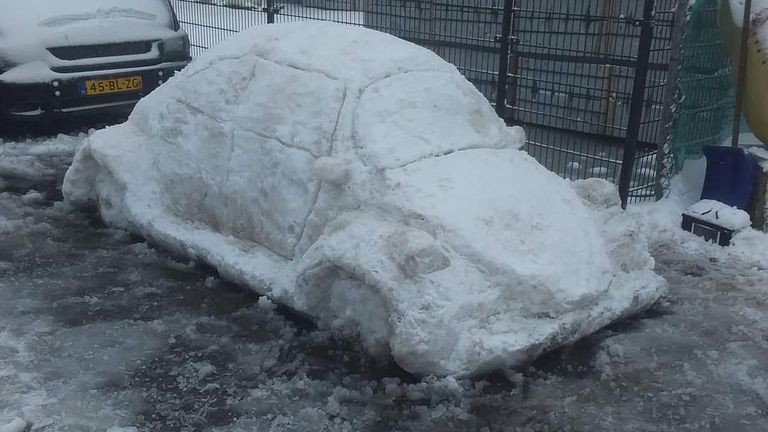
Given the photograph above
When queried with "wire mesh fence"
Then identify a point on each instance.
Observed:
(566, 70)
(704, 115)
(464, 32)
(574, 67)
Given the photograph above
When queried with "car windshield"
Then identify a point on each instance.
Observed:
(412, 116)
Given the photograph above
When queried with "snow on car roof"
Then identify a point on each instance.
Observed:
(50, 13)
(31, 19)
(385, 83)
(29, 28)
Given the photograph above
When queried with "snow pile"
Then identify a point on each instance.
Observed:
(660, 223)
(37, 159)
(29, 175)
(17, 425)
(720, 214)
(34, 19)
(363, 181)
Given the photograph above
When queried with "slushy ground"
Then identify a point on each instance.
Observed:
(100, 330)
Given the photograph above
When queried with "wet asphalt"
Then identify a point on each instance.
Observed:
(109, 330)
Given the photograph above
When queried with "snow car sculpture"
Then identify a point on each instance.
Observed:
(362, 180)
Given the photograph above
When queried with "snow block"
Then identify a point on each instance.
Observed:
(361, 180)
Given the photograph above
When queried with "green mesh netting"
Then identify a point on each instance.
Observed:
(704, 116)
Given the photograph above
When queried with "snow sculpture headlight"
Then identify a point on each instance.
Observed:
(416, 253)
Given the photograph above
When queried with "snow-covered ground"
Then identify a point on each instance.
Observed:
(100, 331)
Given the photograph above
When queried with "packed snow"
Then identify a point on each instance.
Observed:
(362, 181)
(720, 214)
(37, 160)
(16, 425)
(32, 20)
(660, 221)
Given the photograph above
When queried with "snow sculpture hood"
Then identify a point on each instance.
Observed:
(360, 179)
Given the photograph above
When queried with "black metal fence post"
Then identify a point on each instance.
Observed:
(271, 9)
(506, 35)
(637, 101)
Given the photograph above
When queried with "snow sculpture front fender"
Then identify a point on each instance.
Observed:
(362, 278)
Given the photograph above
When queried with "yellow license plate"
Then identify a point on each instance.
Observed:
(115, 85)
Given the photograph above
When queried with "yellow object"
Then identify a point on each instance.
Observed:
(755, 106)
(113, 85)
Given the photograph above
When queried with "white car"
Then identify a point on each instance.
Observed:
(361, 180)
(85, 55)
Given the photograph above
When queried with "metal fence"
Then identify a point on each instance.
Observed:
(588, 79)
(464, 32)
(704, 115)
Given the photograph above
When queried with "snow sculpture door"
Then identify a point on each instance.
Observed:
(285, 120)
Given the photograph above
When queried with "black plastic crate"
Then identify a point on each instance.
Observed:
(707, 230)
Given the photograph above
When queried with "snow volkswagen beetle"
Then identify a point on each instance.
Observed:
(85, 55)
(360, 179)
